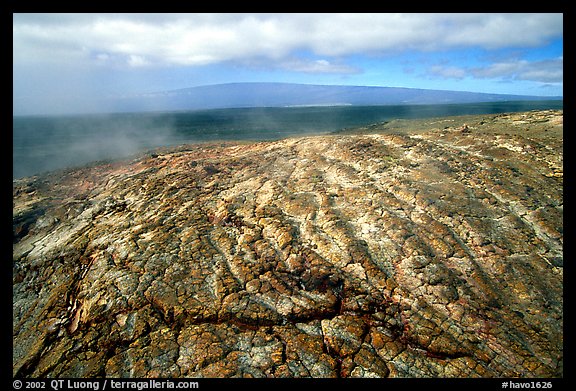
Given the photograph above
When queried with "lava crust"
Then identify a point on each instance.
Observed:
(381, 252)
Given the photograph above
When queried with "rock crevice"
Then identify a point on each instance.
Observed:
(430, 253)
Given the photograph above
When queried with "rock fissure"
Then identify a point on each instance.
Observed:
(431, 252)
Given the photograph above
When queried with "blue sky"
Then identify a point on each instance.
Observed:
(60, 60)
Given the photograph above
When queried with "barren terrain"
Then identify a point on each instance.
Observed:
(429, 248)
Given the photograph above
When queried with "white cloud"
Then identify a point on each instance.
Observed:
(137, 61)
(317, 66)
(492, 31)
(546, 71)
(449, 72)
(543, 71)
(102, 57)
(200, 39)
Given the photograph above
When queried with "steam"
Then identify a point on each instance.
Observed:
(49, 143)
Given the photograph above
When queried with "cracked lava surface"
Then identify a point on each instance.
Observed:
(374, 253)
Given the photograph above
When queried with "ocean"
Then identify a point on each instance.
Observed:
(46, 143)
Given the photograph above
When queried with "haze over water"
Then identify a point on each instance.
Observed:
(45, 143)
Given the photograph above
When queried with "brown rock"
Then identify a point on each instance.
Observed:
(419, 253)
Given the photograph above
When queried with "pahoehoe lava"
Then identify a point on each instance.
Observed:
(380, 252)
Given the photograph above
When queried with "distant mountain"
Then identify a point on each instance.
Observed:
(288, 94)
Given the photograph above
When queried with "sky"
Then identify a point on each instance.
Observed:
(65, 62)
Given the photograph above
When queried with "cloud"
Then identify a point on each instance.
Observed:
(447, 72)
(137, 61)
(201, 39)
(543, 71)
(493, 31)
(317, 66)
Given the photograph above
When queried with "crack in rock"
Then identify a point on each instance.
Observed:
(380, 252)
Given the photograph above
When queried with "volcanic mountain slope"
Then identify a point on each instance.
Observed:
(428, 253)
